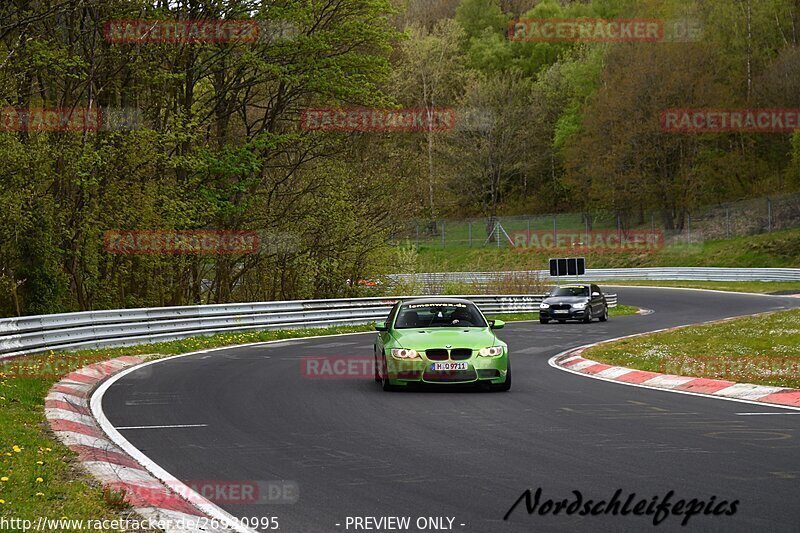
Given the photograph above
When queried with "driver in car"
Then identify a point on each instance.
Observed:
(461, 316)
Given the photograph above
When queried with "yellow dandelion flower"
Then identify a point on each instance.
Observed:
(16, 448)
(4, 478)
(2, 502)
(39, 480)
(40, 493)
(39, 462)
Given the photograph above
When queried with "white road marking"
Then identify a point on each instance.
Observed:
(751, 414)
(166, 427)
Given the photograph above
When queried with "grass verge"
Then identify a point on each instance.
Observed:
(776, 249)
(763, 349)
(38, 475)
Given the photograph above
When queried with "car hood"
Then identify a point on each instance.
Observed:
(423, 339)
(565, 300)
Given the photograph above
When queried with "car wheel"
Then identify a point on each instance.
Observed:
(385, 385)
(588, 317)
(375, 363)
(604, 316)
(504, 386)
(544, 321)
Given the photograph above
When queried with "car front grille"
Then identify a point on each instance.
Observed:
(438, 354)
(441, 354)
(557, 307)
(459, 354)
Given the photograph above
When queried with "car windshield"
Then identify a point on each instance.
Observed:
(570, 291)
(439, 315)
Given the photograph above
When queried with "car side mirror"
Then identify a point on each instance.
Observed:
(595, 293)
(381, 326)
(496, 324)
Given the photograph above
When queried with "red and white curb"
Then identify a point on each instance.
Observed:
(172, 506)
(573, 361)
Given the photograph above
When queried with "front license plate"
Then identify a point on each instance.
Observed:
(561, 311)
(449, 366)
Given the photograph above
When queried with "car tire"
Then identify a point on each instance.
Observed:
(544, 321)
(385, 384)
(604, 316)
(375, 363)
(504, 386)
(588, 318)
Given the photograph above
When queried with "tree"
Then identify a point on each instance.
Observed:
(621, 159)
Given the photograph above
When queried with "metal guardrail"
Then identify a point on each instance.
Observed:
(435, 279)
(123, 327)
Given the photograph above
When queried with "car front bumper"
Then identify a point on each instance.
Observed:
(571, 314)
(479, 369)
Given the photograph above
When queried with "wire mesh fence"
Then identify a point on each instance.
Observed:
(647, 230)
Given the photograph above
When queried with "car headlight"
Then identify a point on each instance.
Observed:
(492, 351)
(544, 306)
(402, 353)
(581, 305)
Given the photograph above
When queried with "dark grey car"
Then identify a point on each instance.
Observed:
(574, 302)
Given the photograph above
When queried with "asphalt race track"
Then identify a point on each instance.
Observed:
(356, 451)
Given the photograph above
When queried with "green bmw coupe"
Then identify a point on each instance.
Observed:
(440, 340)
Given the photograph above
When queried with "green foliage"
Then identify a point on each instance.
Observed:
(580, 74)
(477, 16)
(218, 148)
(541, 127)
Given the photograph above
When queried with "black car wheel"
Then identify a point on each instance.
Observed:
(588, 316)
(375, 363)
(544, 320)
(385, 385)
(604, 316)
